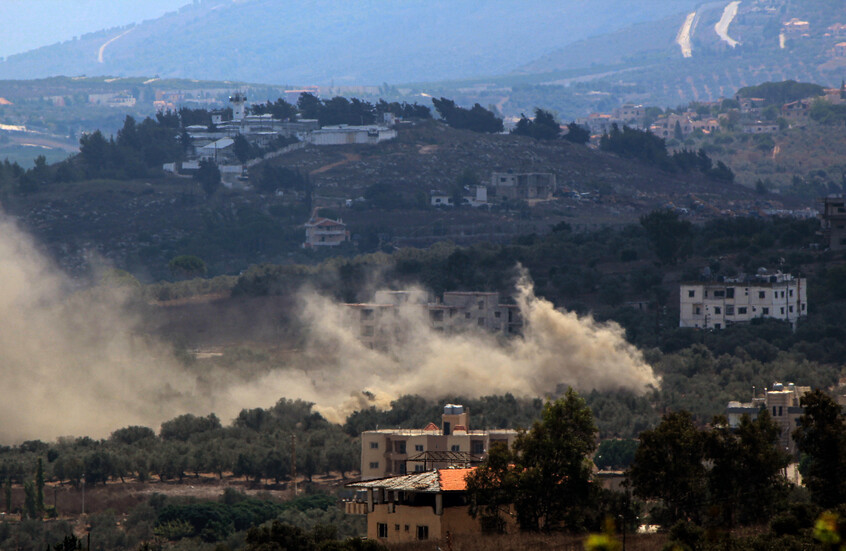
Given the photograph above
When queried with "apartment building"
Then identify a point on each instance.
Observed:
(718, 304)
(783, 404)
(834, 221)
(389, 452)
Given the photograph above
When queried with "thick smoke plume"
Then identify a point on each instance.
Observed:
(557, 348)
(76, 363)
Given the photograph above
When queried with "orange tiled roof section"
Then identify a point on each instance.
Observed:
(431, 426)
(453, 480)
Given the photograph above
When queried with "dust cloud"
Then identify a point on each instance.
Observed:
(557, 348)
(75, 361)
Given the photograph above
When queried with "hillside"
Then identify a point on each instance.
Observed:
(645, 63)
(141, 225)
(326, 41)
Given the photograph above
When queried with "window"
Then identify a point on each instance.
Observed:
(481, 305)
(765, 311)
(717, 326)
(718, 310)
(374, 464)
(399, 447)
(774, 411)
(803, 307)
(418, 447)
(456, 448)
(381, 529)
(741, 310)
(790, 309)
(698, 311)
(790, 293)
(782, 309)
(729, 310)
(497, 314)
(417, 469)
(422, 532)
(691, 293)
(719, 294)
(762, 294)
(374, 445)
(406, 528)
(467, 315)
(779, 411)
(396, 527)
(477, 447)
(730, 292)
(782, 294)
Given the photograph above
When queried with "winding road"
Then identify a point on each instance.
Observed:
(103, 47)
(729, 13)
(683, 38)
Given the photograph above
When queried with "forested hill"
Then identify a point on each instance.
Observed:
(324, 41)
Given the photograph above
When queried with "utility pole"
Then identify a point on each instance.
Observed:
(294, 462)
(83, 494)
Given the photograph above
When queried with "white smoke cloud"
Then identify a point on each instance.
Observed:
(76, 362)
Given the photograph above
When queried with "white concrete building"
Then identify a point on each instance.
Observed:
(346, 135)
(715, 305)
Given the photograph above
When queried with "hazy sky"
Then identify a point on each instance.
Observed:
(29, 24)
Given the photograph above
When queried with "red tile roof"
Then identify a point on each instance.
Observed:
(454, 480)
(431, 426)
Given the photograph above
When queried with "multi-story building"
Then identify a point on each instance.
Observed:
(834, 221)
(323, 232)
(783, 404)
(717, 304)
(377, 323)
(388, 452)
(430, 505)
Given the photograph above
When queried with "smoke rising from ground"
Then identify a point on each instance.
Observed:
(557, 348)
(76, 363)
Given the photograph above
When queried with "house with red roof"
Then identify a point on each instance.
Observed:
(324, 232)
(430, 505)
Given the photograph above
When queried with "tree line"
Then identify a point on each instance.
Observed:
(651, 149)
(703, 481)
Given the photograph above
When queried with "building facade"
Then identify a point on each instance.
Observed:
(430, 505)
(834, 221)
(526, 186)
(346, 135)
(389, 452)
(783, 404)
(716, 305)
(323, 232)
(377, 322)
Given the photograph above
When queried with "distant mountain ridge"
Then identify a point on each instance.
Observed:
(325, 41)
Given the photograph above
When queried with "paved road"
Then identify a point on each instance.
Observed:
(729, 13)
(684, 36)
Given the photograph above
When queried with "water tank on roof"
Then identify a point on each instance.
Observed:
(453, 409)
(778, 387)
